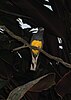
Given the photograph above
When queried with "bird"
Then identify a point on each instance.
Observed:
(36, 41)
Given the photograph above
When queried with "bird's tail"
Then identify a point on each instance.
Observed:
(34, 63)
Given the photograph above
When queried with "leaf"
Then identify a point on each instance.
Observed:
(63, 86)
(44, 84)
(19, 92)
(2, 83)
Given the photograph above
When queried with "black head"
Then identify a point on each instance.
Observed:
(40, 29)
(39, 34)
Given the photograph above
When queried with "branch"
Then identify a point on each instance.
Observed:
(57, 59)
(18, 48)
(15, 36)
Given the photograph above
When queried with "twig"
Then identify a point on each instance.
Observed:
(57, 59)
(15, 36)
(50, 56)
(18, 48)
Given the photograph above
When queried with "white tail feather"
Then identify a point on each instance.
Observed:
(34, 63)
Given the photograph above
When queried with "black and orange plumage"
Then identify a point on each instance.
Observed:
(36, 41)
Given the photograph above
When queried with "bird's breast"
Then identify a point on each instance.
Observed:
(36, 43)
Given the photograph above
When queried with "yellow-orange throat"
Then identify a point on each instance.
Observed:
(36, 43)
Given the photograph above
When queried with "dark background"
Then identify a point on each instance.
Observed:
(57, 23)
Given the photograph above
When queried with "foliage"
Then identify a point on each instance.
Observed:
(14, 70)
(19, 92)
